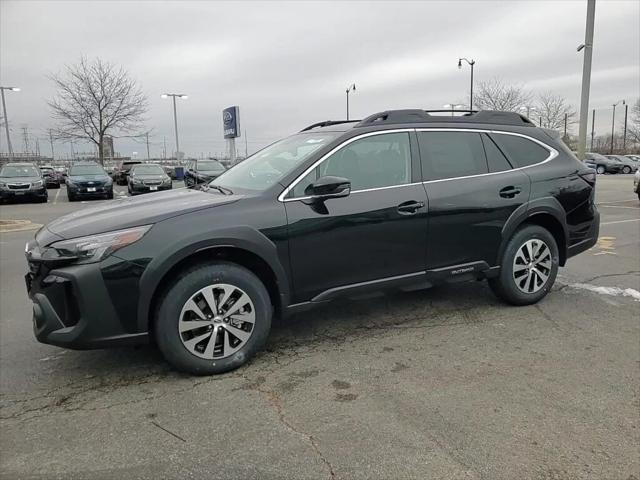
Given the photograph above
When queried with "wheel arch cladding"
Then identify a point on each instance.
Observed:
(240, 256)
(553, 225)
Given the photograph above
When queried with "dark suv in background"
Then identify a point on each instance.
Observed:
(198, 172)
(121, 171)
(50, 176)
(403, 199)
(88, 180)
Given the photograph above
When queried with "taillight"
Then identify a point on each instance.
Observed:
(589, 177)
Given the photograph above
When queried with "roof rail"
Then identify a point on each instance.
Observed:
(327, 123)
(424, 116)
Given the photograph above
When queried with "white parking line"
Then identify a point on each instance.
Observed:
(621, 221)
(618, 206)
(55, 200)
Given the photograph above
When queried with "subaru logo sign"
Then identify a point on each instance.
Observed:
(231, 122)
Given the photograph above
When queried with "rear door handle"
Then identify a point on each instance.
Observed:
(409, 208)
(510, 192)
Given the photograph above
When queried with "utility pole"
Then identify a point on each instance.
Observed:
(350, 88)
(147, 135)
(37, 146)
(624, 135)
(246, 146)
(6, 119)
(613, 124)
(164, 148)
(175, 117)
(51, 142)
(565, 124)
(586, 77)
(25, 138)
(593, 127)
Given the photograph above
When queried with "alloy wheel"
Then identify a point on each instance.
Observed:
(216, 321)
(532, 266)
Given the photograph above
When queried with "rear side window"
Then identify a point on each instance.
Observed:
(495, 158)
(520, 151)
(451, 154)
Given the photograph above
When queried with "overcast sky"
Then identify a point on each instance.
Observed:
(288, 64)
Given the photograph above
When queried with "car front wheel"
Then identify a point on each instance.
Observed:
(213, 318)
(626, 170)
(529, 266)
(600, 169)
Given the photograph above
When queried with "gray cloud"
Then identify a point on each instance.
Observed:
(287, 63)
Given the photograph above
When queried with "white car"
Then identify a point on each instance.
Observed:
(636, 183)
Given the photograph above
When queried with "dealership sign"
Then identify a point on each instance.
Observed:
(231, 122)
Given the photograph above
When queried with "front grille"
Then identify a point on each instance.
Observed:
(18, 186)
(152, 182)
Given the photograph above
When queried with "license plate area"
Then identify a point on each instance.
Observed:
(153, 187)
(91, 189)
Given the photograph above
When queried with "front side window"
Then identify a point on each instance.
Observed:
(520, 151)
(371, 162)
(451, 155)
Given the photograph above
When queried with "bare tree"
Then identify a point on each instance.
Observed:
(94, 99)
(633, 128)
(496, 95)
(552, 108)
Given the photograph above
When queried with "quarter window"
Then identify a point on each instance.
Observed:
(451, 154)
(371, 162)
(520, 151)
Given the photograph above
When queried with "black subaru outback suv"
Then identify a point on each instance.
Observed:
(398, 200)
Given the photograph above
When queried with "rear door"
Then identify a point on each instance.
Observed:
(472, 190)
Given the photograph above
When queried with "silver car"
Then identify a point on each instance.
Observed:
(636, 183)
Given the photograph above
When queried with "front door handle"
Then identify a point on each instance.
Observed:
(410, 208)
(510, 192)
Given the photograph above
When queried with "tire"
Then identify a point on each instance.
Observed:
(43, 199)
(110, 195)
(626, 169)
(600, 169)
(516, 289)
(70, 196)
(218, 279)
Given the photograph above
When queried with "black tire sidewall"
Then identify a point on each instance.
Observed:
(505, 286)
(168, 313)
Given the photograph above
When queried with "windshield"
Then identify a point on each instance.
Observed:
(594, 156)
(147, 170)
(87, 170)
(46, 170)
(264, 169)
(209, 166)
(19, 171)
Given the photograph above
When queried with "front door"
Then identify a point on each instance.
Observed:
(376, 233)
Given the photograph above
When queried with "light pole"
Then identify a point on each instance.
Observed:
(351, 87)
(472, 63)
(613, 123)
(586, 78)
(624, 135)
(6, 119)
(452, 106)
(175, 116)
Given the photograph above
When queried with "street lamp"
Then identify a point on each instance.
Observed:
(350, 88)
(613, 122)
(6, 119)
(471, 63)
(175, 116)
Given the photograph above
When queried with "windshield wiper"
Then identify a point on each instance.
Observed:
(223, 190)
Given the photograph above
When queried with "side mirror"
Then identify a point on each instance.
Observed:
(328, 187)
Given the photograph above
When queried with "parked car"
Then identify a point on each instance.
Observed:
(62, 174)
(22, 181)
(50, 176)
(636, 183)
(170, 170)
(628, 165)
(121, 171)
(602, 164)
(147, 177)
(634, 157)
(198, 172)
(403, 199)
(88, 180)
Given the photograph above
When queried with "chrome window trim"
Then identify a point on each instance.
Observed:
(553, 153)
(331, 152)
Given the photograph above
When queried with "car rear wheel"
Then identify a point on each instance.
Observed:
(213, 318)
(600, 169)
(529, 266)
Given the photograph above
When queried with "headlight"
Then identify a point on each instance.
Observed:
(108, 182)
(37, 184)
(3, 185)
(166, 181)
(94, 248)
(139, 182)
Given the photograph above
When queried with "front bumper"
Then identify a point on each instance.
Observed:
(73, 307)
(90, 191)
(7, 194)
(138, 188)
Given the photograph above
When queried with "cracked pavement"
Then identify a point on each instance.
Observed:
(443, 383)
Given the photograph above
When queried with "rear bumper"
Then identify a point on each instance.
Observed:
(72, 308)
(589, 238)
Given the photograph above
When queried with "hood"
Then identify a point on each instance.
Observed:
(20, 179)
(134, 211)
(89, 178)
(148, 176)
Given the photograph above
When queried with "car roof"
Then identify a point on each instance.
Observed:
(19, 164)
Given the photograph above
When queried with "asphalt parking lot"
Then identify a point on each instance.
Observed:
(446, 383)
